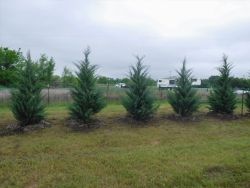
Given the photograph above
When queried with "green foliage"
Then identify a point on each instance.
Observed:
(151, 81)
(240, 83)
(106, 80)
(68, 79)
(45, 69)
(9, 61)
(247, 101)
(204, 83)
(27, 105)
(12, 61)
(139, 101)
(222, 98)
(123, 80)
(183, 99)
(213, 80)
(87, 99)
(56, 81)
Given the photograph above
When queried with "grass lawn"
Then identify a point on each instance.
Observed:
(165, 153)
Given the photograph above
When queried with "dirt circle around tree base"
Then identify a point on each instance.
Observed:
(128, 120)
(223, 117)
(178, 118)
(16, 128)
(80, 126)
(247, 115)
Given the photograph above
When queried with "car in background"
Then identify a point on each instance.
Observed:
(240, 91)
(121, 85)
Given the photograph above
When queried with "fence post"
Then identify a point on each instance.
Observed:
(242, 102)
(160, 90)
(107, 91)
(48, 94)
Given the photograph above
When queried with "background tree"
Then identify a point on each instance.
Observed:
(213, 80)
(204, 83)
(240, 83)
(88, 100)
(222, 98)
(27, 105)
(139, 102)
(151, 81)
(184, 99)
(9, 61)
(56, 81)
(68, 79)
(45, 69)
(105, 80)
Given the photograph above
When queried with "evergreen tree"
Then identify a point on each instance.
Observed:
(139, 101)
(184, 99)
(247, 101)
(87, 99)
(27, 105)
(222, 98)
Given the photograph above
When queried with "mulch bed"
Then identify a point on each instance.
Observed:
(177, 118)
(223, 116)
(84, 127)
(16, 128)
(128, 120)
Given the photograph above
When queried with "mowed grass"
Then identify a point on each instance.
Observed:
(163, 153)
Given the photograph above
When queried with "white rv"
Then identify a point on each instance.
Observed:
(170, 82)
(196, 82)
(166, 82)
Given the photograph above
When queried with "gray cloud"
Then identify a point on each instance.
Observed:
(62, 29)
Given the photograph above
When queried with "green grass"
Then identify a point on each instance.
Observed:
(164, 153)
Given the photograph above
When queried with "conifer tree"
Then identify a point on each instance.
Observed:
(222, 98)
(27, 105)
(87, 99)
(247, 101)
(184, 99)
(139, 102)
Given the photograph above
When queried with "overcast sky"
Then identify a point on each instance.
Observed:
(165, 31)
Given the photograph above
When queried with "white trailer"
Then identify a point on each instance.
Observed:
(167, 82)
(170, 82)
(196, 82)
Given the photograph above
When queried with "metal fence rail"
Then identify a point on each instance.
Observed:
(111, 93)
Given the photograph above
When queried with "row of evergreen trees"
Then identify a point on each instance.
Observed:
(140, 104)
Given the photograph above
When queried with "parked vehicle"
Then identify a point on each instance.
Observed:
(240, 91)
(167, 82)
(196, 82)
(121, 85)
(170, 82)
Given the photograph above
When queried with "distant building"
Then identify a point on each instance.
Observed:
(170, 82)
